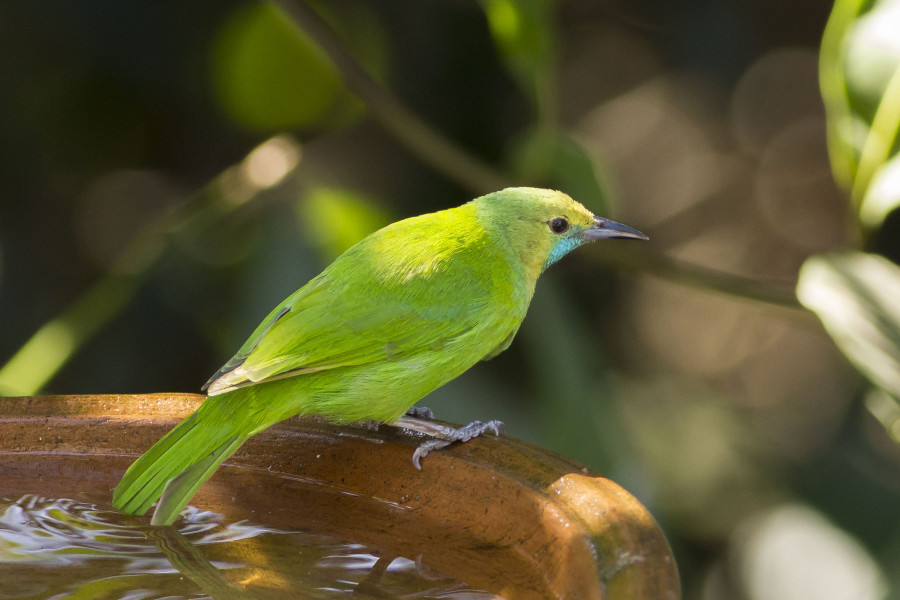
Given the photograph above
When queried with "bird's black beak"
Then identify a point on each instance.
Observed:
(604, 229)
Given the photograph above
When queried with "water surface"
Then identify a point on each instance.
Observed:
(79, 549)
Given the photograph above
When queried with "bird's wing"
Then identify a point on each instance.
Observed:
(338, 321)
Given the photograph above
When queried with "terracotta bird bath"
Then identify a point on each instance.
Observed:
(497, 513)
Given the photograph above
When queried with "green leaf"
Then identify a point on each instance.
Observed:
(270, 76)
(860, 80)
(855, 295)
(883, 193)
(871, 52)
(523, 31)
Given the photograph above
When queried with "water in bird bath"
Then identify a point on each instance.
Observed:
(79, 548)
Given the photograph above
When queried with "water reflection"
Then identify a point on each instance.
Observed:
(68, 548)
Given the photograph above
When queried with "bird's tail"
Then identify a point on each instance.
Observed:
(175, 466)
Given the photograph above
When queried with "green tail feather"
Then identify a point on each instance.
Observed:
(180, 489)
(190, 454)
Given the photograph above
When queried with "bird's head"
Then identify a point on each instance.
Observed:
(542, 226)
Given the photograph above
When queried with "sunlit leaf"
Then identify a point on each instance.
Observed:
(857, 297)
(846, 132)
(883, 194)
(872, 51)
(860, 79)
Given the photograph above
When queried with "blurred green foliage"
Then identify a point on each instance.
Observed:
(860, 69)
(555, 159)
(523, 31)
(271, 76)
(349, 215)
(855, 294)
(245, 156)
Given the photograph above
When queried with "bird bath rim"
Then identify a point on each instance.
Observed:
(499, 513)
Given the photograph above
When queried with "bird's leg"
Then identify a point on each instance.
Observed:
(420, 412)
(443, 435)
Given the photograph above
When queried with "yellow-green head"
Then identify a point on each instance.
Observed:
(541, 226)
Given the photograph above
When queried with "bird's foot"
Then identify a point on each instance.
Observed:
(443, 435)
(421, 412)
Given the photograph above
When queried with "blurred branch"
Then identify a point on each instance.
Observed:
(45, 353)
(633, 259)
(426, 143)
(51, 347)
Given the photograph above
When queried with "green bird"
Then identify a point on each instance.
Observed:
(399, 314)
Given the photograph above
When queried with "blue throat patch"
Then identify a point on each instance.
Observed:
(563, 247)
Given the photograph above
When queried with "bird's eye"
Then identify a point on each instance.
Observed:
(558, 225)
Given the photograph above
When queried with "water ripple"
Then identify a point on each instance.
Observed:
(65, 548)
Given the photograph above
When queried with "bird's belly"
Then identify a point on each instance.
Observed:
(384, 392)
(381, 391)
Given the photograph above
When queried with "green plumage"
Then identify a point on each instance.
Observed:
(399, 314)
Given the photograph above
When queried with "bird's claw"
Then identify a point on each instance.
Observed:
(425, 448)
(474, 429)
(448, 435)
(421, 412)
